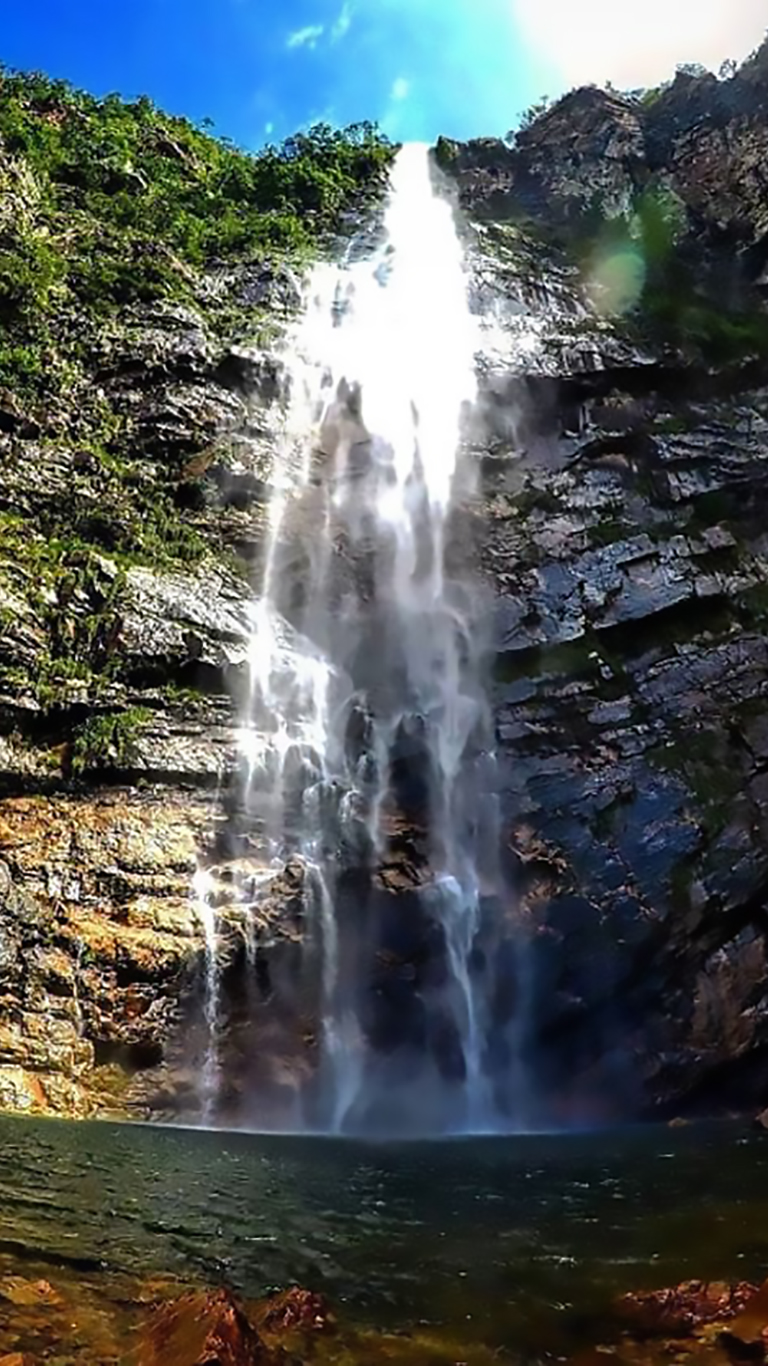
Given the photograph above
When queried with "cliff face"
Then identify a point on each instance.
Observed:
(625, 541)
(147, 273)
(617, 254)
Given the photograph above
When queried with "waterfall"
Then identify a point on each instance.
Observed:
(202, 892)
(367, 731)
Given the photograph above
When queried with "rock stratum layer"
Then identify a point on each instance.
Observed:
(617, 253)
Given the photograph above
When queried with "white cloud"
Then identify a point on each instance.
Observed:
(632, 43)
(343, 23)
(306, 37)
(400, 89)
(269, 129)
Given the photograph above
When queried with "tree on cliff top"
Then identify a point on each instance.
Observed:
(105, 202)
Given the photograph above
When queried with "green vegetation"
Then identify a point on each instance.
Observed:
(108, 741)
(530, 116)
(446, 153)
(693, 322)
(533, 499)
(708, 764)
(666, 298)
(74, 594)
(609, 532)
(107, 206)
(105, 203)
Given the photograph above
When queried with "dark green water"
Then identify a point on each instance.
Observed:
(526, 1235)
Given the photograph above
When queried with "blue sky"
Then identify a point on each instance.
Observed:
(261, 69)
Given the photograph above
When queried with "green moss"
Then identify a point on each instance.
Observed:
(676, 311)
(671, 426)
(446, 153)
(181, 698)
(706, 762)
(75, 595)
(606, 820)
(574, 659)
(108, 741)
(607, 533)
(535, 500)
(680, 884)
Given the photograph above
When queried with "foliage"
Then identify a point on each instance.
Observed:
(108, 741)
(653, 94)
(446, 153)
(159, 179)
(106, 203)
(695, 70)
(75, 594)
(674, 302)
(529, 117)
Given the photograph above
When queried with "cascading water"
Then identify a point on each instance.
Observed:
(367, 730)
(202, 892)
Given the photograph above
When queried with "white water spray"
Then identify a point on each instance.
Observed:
(366, 711)
(202, 890)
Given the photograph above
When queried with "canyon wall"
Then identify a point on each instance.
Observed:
(617, 253)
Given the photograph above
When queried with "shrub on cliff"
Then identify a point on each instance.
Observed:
(107, 202)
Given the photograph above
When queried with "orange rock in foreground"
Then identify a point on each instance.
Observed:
(684, 1308)
(201, 1329)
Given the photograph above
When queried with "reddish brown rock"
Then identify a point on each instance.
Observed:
(683, 1309)
(295, 1310)
(202, 1329)
(747, 1334)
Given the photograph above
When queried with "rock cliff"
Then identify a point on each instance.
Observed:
(617, 253)
(147, 273)
(624, 538)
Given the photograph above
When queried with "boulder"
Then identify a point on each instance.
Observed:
(683, 1310)
(201, 1329)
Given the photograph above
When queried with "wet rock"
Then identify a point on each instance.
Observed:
(23, 1294)
(597, 148)
(98, 937)
(684, 1309)
(156, 341)
(746, 1335)
(262, 284)
(14, 419)
(201, 1329)
(172, 623)
(295, 1310)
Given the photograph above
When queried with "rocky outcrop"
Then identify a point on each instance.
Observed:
(621, 447)
(200, 1328)
(98, 941)
(120, 675)
(623, 473)
(589, 156)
